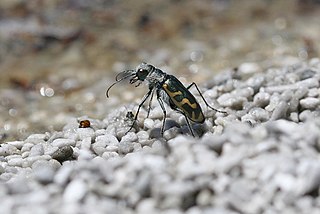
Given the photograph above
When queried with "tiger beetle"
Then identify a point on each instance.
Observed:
(169, 90)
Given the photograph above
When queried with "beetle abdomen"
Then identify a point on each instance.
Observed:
(183, 99)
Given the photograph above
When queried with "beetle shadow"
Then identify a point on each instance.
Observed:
(198, 129)
(156, 132)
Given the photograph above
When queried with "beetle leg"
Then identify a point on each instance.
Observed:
(149, 105)
(189, 125)
(163, 110)
(188, 122)
(194, 84)
(142, 102)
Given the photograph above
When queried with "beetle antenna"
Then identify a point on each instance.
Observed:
(123, 73)
(119, 80)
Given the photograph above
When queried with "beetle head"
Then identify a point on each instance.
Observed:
(139, 74)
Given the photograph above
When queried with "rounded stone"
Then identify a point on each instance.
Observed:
(75, 191)
(309, 103)
(63, 154)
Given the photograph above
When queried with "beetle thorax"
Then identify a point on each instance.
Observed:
(156, 76)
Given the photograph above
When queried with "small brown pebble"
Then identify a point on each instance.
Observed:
(84, 124)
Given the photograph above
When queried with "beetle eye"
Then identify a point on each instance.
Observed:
(142, 74)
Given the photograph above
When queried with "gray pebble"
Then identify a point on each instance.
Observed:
(63, 154)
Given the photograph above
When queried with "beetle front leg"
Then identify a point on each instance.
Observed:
(140, 105)
(149, 105)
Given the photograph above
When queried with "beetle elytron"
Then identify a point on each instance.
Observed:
(169, 90)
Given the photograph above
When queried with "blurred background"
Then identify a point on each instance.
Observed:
(57, 57)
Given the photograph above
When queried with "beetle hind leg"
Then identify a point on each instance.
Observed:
(194, 84)
(164, 113)
(189, 125)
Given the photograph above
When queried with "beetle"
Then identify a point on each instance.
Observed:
(169, 90)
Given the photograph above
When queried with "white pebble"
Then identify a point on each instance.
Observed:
(148, 123)
(309, 102)
(112, 148)
(99, 150)
(86, 143)
(249, 68)
(107, 139)
(75, 191)
(43, 171)
(314, 92)
(37, 137)
(17, 144)
(84, 133)
(26, 147)
(63, 174)
(108, 155)
(244, 92)
(261, 99)
(232, 101)
(37, 150)
(130, 137)
(30, 160)
(63, 142)
(15, 161)
(7, 149)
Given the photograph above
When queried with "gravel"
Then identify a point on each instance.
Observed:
(261, 157)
